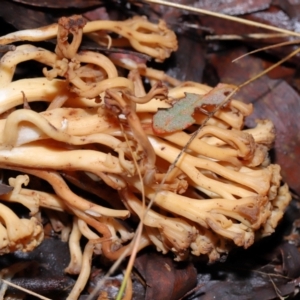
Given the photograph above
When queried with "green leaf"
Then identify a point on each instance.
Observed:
(177, 117)
(180, 115)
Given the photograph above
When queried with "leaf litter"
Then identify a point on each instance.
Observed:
(222, 280)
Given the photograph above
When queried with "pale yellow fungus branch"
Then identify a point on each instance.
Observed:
(76, 262)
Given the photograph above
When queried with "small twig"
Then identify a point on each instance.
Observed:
(277, 291)
(222, 16)
(25, 290)
(192, 291)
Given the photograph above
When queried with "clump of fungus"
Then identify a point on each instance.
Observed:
(18, 234)
(220, 192)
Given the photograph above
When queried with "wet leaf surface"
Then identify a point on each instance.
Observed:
(27, 17)
(290, 257)
(45, 271)
(242, 291)
(165, 279)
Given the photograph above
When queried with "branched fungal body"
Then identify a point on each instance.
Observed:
(222, 191)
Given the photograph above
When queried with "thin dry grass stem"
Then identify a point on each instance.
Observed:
(128, 291)
(126, 104)
(267, 48)
(112, 269)
(270, 68)
(277, 291)
(195, 134)
(25, 290)
(192, 291)
(8, 273)
(106, 235)
(184, 149)
(128, 270)
(270, 274)
(245, 36)
(222, 16)
(126, 283)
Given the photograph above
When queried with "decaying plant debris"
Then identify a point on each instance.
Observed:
(221, 193)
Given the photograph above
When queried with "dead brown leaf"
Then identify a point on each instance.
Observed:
(165, 279)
